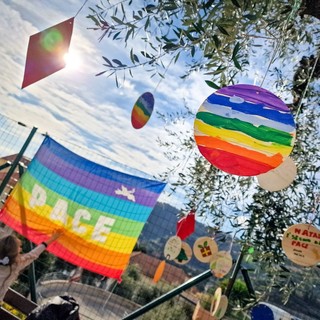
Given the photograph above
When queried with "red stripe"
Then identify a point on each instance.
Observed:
(233, 163)
(57, 249)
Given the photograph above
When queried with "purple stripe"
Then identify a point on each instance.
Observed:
(91, 181)
(255, 94)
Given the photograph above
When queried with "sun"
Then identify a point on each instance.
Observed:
(72, 60)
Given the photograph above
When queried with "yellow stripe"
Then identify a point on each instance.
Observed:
(240, 138)
(115, 241)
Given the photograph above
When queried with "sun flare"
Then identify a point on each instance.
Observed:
(72, 60)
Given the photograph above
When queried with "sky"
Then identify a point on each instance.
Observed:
(75, 106)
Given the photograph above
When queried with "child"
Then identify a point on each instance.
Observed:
(12, 262)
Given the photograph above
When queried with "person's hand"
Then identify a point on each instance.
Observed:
(56, 234)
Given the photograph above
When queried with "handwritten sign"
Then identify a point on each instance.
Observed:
(301, 244)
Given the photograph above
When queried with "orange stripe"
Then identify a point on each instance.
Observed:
(69, 240)
(216, 143)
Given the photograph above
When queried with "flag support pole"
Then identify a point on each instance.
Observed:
(32, 269)
(3, 185)
(16, 160)
(190, 283)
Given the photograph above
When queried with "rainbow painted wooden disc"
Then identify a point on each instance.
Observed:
(142, 110)
(244, 130)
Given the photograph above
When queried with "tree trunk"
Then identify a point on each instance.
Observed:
(311, 7)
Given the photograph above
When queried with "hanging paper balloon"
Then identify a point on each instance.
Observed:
(216, 301)
(159, 272)
(142, 110)
(185, 254)
(221, 264)
(172, 248)
(280, 177)
(204, 249)
(301, 244)
(185, 226)
(222, 308)
(244, 130)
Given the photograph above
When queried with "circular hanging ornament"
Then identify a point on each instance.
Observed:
(215, 301)
(244, 130)
(142, 110)
(262, 311)
(280, 177)
(222, 308)
(204, 249)
(172, 248)
(185, 254)
(221, 264)
(301, 244)
(267, 311)
(159, 272)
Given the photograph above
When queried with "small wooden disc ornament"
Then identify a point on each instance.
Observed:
(222, 308)
(280, 177)
(204, 249)
(185, 254)
(301, 244)
(172, 248)
(221, 264)
(216, 301)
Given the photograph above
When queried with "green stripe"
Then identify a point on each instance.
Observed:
(146, 112)
(261, 132)
(121, 226)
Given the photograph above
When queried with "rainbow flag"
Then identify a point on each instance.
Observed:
(101, 211)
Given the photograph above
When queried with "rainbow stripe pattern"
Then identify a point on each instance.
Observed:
(101, 211)
(244, 130)
(142, 110)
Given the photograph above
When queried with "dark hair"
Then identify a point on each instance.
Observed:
(9, 248)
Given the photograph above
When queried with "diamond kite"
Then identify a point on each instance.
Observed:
(46, 51)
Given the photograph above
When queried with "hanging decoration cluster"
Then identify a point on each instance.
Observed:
(205, 250)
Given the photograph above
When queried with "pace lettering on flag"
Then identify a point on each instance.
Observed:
(101, 211)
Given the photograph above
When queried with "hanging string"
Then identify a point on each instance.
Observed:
(164, 74)
(275, 51)
(81, 8)
(306, 88)
(279, 43)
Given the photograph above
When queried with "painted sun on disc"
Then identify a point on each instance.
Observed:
(142, 110)
(244, 130)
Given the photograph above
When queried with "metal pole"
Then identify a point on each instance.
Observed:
(32, 269)
(190, 283)
(248, 282)
(235, 272)
(5, 165)
(16, 160)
